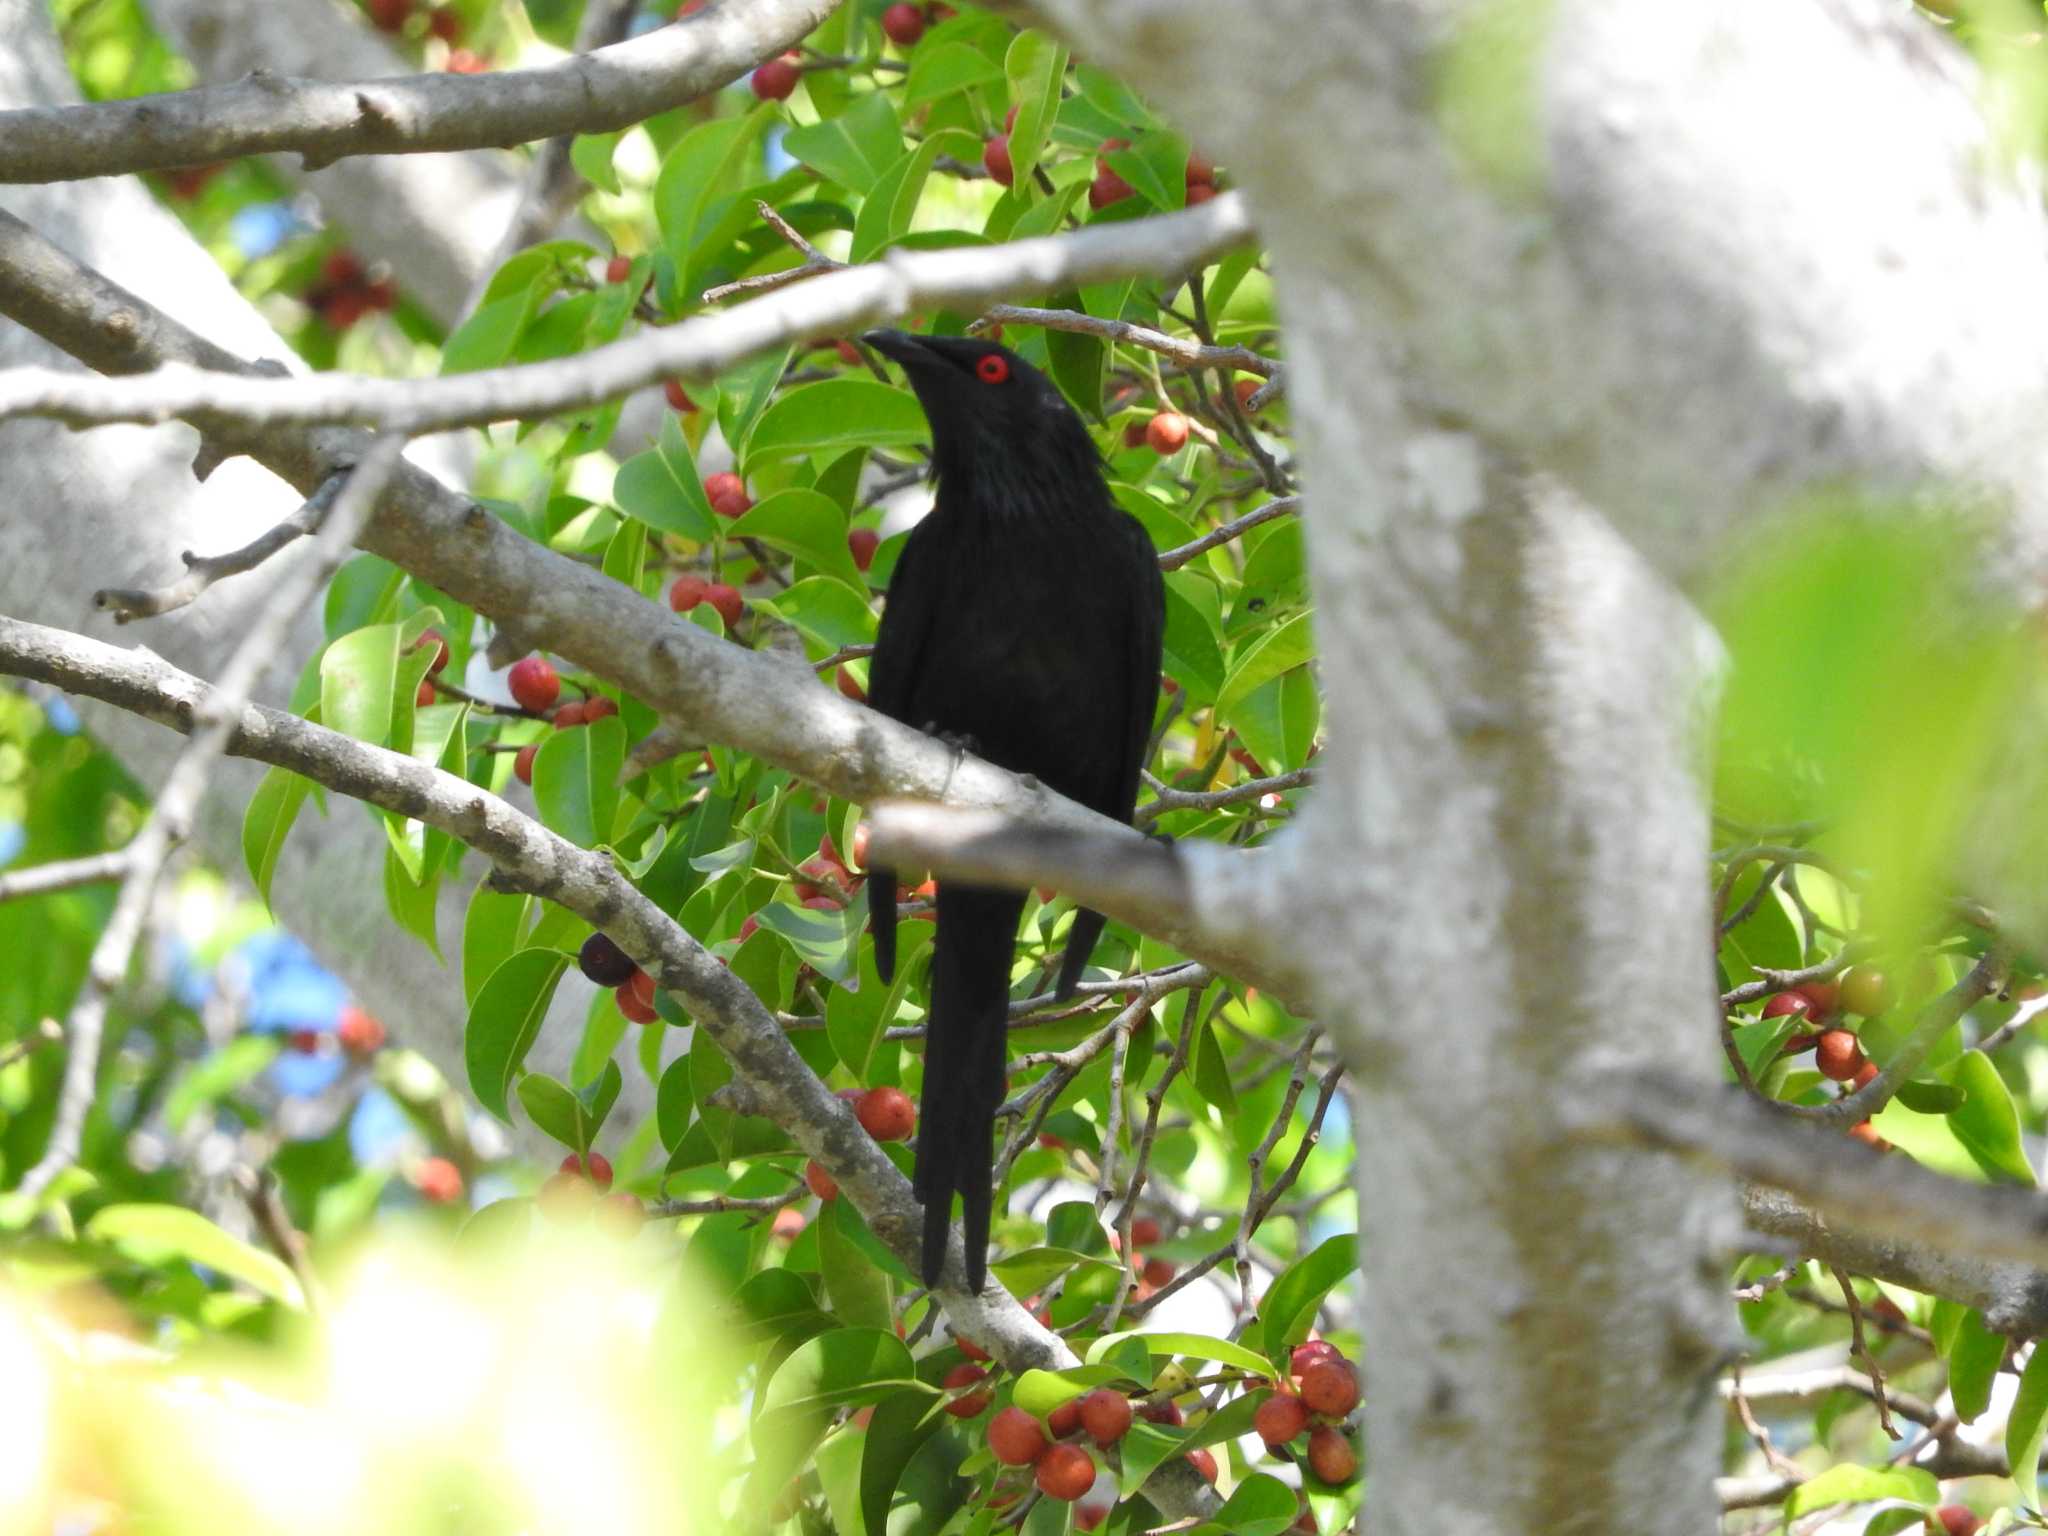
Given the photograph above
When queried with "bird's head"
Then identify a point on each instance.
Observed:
(990, 410)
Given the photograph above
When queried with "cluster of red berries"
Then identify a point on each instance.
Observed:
(603, 962)
(582, 1187)
(1062, 1467)
(188, 181)
(346, 291)
(392, 15)
(885, 1113)
(1320, 1390)
(1837, 1054)
(535, 686)
(424, 695)
(359, 1034)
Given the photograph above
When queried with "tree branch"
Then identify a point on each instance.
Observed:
(227, 396)
(324, 120)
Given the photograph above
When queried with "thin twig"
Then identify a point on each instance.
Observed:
(1189, 354)
(1860, 1348)
(1280, 506)
(64, 875)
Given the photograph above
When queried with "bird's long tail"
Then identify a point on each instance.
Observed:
(965, 1050)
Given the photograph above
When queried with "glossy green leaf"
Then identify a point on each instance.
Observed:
(357, 675)
(1193, 654)
(838, 1369)
(2023, 1428)
(1156, 167)
(1037, 70)
(591, 155)
(1211, 1073)
(505, 1020)
(1974, 1357)
(829, 942)
(1848, 1483)
(836, 414)
(937, 71)
(1032, 1269)
(415, 905)
(1277, 721)
(1261, 1505)
(697, 172)
(1272, 653)
(553, 1108)
(855, 147)
(153, 1234)
(661, 487)
(858, 1291)
(1288, 1310)
(1199, 1346)
(268, 822)
(1930, 1098)
(807, 526)
(487, 337)
(576, 780)
(1986, 1123)
(744, 392)
(674, 1102)
(1040, 1392)
(903, 1423)
(491, 929)
(891, 204)
(823, 610)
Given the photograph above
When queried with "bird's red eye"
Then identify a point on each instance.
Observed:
(992, 369)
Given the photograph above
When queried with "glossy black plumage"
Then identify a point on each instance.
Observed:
(1023, 620)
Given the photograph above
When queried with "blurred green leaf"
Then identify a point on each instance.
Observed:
(505, 1020)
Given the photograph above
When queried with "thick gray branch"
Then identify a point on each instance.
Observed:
(323, 120)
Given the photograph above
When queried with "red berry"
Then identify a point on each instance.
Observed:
(1787, 1002)
(1107, 188)
(788, 1224)
(423, 695)
(822, 1183)
(446, 25)
(1330, 1455)
(1957, 1520)
(1016, 1438)
(1825, 997)
(904, 24)
(1009, 119)
(361, 1034)
(1865, 990)
(1106, 1415)
(1145, 1231)
(1167, 433)
(887, 1114)
(596, 1167)
(342, 268)
(306, 1041)
(687, 591)
(1280, 1418)
(849, 685)
(1866, 1133)
(617, 270)
(1204, 1462)
(1837, 1055)
(727, 493)
(597, 706)
(1330, 1386)
(1167, 1412)
(1088, 1516)
(1201, 171)
(636, 997)
(776, 80)
(974, 1351)
(621, 1213)
(604, 962)
(1794, 1044)
(1065, 1419)
(1306, 1355)
(189, 181)
(1244, 389)
(862, 543)
(462, 62)
(1065, 1472)
(1160, 1272)
(689, 8)
(995, 159)
(435, 638)
(438, 1179)
(1865, 1074)
(534, 684)
(1134, 434)
(678, 400)
(972, 1403)
(574, 713)
(522, 765)
(388, 15)
(728, 603)
(1199, 192)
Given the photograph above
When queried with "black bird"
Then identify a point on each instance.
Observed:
(1023, 623)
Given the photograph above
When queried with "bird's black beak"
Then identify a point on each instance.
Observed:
(900, 345)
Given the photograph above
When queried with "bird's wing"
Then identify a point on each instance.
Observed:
(1138, 670)
(892, 683)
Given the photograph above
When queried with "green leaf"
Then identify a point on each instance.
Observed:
(505, 1020)
(829, 942)
(488, 336)
(267, 823)
(1986, 1123)
(1156, 167)
(858, 1291)
(824, 610)
(1198, 1345)
(743, 394)
(942, 70)
(1032, 1268)
(1930, 1098)
(490, 931)
(1037, 70)
(240, 1061)
(674, 1102)
(1077, 362)
(1211, 1073)
(855, 147)
(414, 905)
(695, 175)
(661, 487)
(887, 211)
(839, 1369)
(1040, 1392)
(591, 155)
(900, 1427)
(1974, 1357)
(1233, 1419)
(1274, 652)
(808, 526)
(1848, 1483)
(2023, 1427)
(552, 1107)
(152, 1234)
(1277, 720)
(357, 675)
(835, 415)
(1261, 1505)
(1290, 1303)
(576, 780)
(1193, 654)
